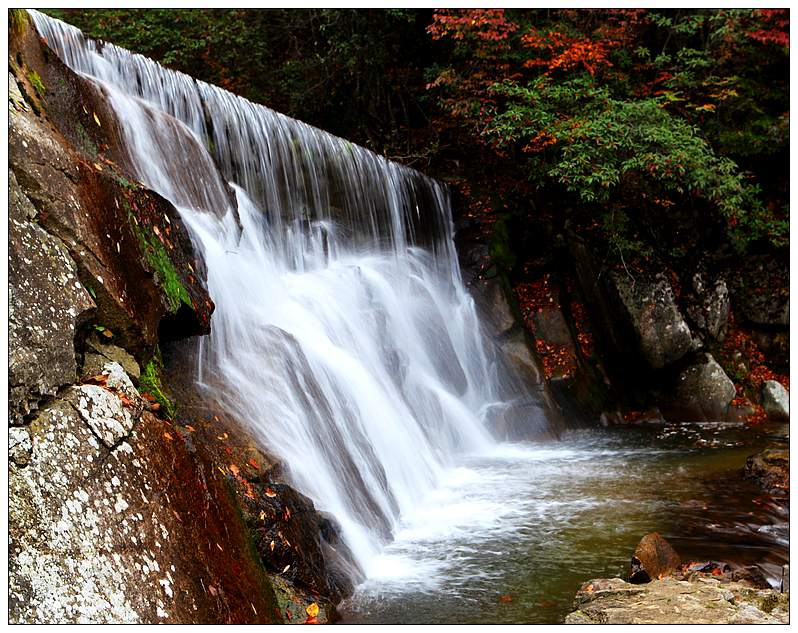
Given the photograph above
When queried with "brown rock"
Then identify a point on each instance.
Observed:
(654, 558)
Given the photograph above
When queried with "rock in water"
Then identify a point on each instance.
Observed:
(770, 469)
(775, 400)
(653, 558)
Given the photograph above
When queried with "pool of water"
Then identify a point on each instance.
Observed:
(510, 535)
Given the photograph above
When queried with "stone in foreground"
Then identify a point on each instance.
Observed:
(653, 558)
(671, 601)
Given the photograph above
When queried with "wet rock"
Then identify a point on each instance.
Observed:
(776, 400)
(129, 246)
(47, 307)
(770, 469)
(672, 601)
(653, 558)
(703, 392)
(662, 333)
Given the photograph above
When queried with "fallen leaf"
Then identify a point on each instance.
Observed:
(286, 568)
(234, 469)
(589, 588)
(190, 428)
(155, 406)
(270, 493)
(505, 599)
(107, 333)
(98, 167)
(212, 590)
(126, 402)
(717, 572)
(168, 436)
(312, 610)
(311, 621)
(271, 546)
(96, 118)
(253, 463)
(220, 547)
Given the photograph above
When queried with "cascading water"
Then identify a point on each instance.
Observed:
(343, 334)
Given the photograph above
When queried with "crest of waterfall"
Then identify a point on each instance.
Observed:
(343, 335)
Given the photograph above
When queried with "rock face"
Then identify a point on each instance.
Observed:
(525, 418)
(761, 291)
(662, 333)
(653, 558)
(703, 392)
(128, 248)
(776, 400)
(708, 307)
(115, 515)
(671, 601)
(112, 520)
(47, 308)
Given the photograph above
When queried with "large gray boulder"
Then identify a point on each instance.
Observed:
(649, 307)
(775, 400)
(703, 391)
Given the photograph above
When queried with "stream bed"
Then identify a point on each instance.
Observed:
(509, 535)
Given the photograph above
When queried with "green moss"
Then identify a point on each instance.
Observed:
(159, 260)
(36, 81)
(500, 251)
(85, 140)
(17, 20)
(150, 382)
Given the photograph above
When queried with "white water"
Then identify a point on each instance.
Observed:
(343, 335)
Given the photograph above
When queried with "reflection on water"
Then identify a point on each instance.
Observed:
(533, 521)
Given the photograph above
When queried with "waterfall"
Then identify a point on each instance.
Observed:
(343, 335)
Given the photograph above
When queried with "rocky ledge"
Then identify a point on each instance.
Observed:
(699, 600)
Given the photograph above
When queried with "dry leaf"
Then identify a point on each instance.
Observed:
(506, 599)
(168, 436)
(286, 568)
(96, 118)
(271, 546)
(312, 610)
(270, 493)
(234, 469)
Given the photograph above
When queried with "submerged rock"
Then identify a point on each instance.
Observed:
(672, 601)
(653, 558)
(770, 469)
